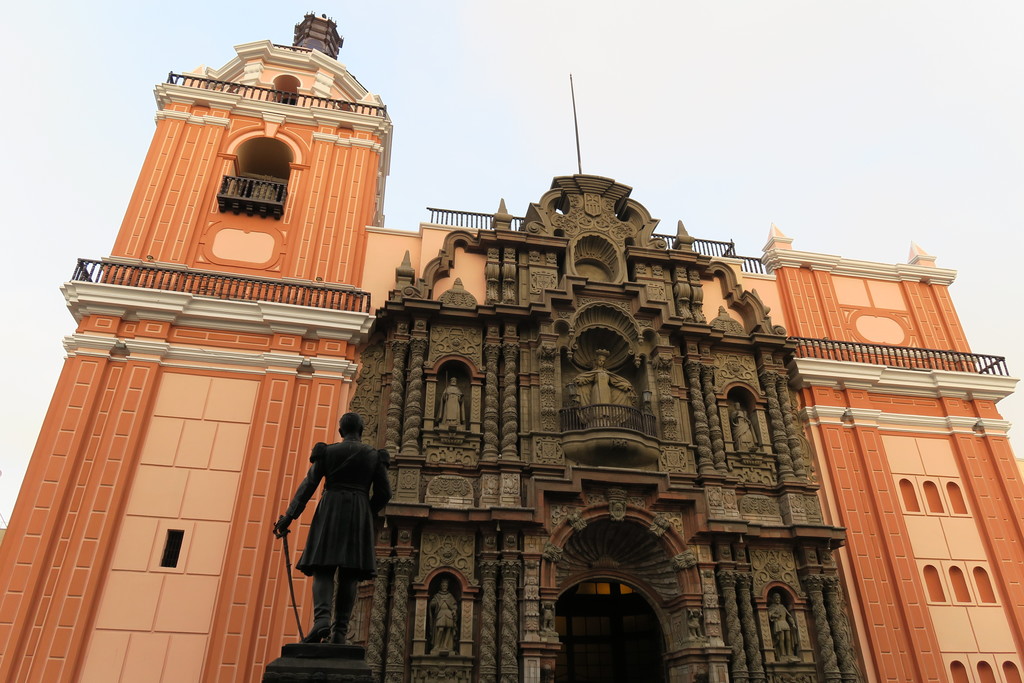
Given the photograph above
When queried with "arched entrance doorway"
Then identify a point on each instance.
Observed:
(609, 634)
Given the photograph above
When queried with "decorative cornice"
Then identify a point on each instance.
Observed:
(775, 258)
(180, 308)
(807, 372)
(903, 422)
(192, 118)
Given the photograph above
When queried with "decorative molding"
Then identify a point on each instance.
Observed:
(837, 265)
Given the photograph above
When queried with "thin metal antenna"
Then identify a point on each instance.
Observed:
(576, 124)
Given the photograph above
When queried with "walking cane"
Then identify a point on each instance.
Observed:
(283, 535)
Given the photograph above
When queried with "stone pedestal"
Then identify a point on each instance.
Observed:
(324, 663)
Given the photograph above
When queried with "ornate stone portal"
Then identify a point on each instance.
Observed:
(584, 425)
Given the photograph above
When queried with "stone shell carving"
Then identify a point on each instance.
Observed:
(760, 508)
(449, 490)
(604, 316)
(449, 550)
(462, 341)
(458, 297)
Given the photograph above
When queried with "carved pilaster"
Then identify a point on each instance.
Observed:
(666, 403)
(796, 448)
(777, 424)
(510, 401)
(733, 627)
(491, 355)
(683, 292)
(707, 376)
(378, 609)
(548, 396)
(840, 626)
(394, 671)
(697, 297)
(414, 398)
(399, 349)
(509, 272)
(491, 273)
(755, 663)
(510, 570)
(701, 433)
(826, 647)
(488, 622)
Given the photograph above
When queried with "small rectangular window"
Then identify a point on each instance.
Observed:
(172, 548)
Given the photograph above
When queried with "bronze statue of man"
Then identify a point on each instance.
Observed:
(339, 549)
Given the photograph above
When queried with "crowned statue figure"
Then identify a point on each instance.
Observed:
(599, 386)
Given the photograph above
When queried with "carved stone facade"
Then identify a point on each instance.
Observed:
(584, 426)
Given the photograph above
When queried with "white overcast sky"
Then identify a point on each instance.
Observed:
(857, 127)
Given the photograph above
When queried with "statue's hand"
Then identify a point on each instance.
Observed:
(281, 525)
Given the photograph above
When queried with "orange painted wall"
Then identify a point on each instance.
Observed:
(173, 215)
(820, 304)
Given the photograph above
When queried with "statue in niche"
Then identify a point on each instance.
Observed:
(742, 429)
(443, 614)
(451, 411)
(695, 624)
(548, 618)
(601, 387)
(783, 628)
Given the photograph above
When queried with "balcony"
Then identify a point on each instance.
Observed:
(609, 435)
(252, 197)
(222, 286)
(255, 92)
(908, 357)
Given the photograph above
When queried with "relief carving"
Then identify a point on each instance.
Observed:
(458, 297)
(549, 451)
(449, 550)
(461, 341)
(773, 564)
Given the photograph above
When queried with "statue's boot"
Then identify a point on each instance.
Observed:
(344, 601)
(323, 596)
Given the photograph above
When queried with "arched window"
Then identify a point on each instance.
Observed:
(960, 591)
(934, 584)
(288, 89)
(985, 673)
(909, 496)
(260, 183)
(933, 497)
(985, 592)
(956, 499)
(264, 159)
(1011, 673)
(959, 672)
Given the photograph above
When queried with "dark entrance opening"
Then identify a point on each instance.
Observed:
(609, 634)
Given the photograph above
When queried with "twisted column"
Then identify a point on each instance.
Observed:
(378, 609)
(777, 424)
(399, 349)
(796, 447)
(414, 398)
(745, 597)
(488, 620)
(840, 630)
(510, 400)
(394, 672)
(707, 375)
(738, 662)
(701, 433)
(491, 353)
(826, 647)
(510, 570)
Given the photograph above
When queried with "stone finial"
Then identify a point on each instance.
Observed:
(777, 239)
(920, 257)
(683, 240)
(502, 219)
(318, 33)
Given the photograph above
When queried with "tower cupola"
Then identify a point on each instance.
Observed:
(318, 33)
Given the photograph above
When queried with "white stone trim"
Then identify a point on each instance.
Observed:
(806, 372)
(903, 422)
(775, 258)
(181, 308)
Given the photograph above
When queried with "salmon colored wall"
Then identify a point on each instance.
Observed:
(819, 304)
(173, 217)
(907, 633)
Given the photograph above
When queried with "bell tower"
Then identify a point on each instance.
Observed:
(214, 345)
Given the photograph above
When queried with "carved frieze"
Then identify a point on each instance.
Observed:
(758, 508)
(450, 550)
(449, 490)
(773, 564)
(734, 367)
(721, 502)
(462, 341)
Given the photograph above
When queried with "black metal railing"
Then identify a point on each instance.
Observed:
(467, 219)
(748, 264)
(222, 286)
(252, 196)
(293, 48)
(910, 357)
(254, 92)
(607, 416)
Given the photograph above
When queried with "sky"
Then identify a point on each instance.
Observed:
(856, 127)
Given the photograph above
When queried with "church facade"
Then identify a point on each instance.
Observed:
(619, 453)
